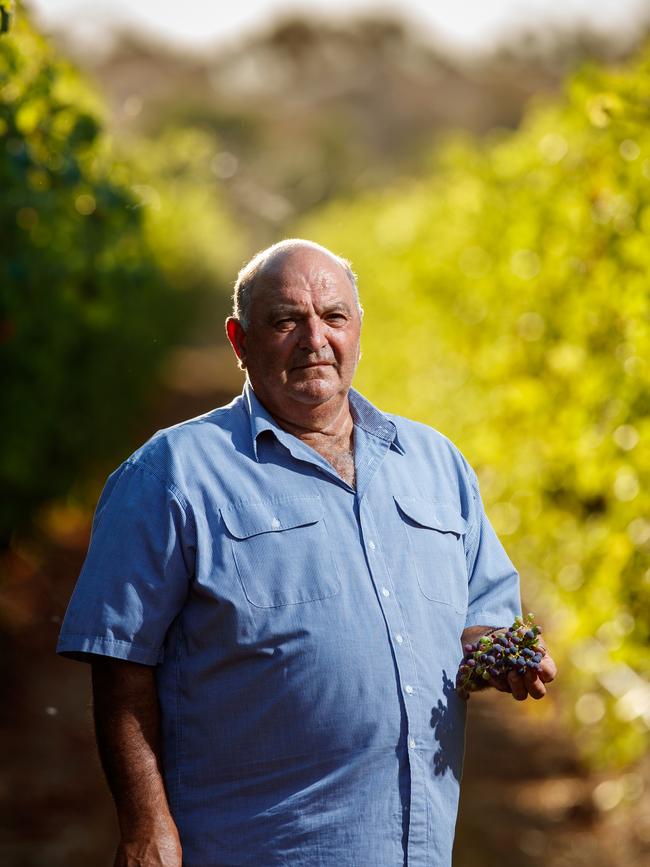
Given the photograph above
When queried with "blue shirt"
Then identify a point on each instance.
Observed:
(306, 634)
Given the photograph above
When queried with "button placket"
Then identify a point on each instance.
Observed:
(416, 717)
(407, 678)
(393, 615)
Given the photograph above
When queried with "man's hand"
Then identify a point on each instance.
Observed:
(520, 686)
(156, 848)
(532, 682)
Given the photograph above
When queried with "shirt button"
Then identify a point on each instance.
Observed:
(371, 545)
(399, 638)
(409, 689)
(385, 591)
(275, 523)
(412, 743)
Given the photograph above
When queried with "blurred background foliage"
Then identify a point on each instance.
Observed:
(499, 227)
(108, 252)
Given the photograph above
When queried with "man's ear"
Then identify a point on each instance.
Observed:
(237, 338)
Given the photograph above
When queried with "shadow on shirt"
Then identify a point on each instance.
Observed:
(444, 722)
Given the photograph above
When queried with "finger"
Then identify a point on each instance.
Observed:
(500, 684)
(547, 669)
(534, 685)
(517, 686)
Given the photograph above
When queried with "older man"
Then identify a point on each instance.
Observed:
(274, 600)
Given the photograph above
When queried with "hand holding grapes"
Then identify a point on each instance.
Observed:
(513, 660)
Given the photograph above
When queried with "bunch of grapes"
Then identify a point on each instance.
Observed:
(496, 654)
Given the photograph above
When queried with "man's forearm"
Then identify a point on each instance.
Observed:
(127, 728)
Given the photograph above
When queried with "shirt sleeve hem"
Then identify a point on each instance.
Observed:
(83, 647)
(500, 617)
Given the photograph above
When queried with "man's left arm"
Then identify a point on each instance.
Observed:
(494, 598)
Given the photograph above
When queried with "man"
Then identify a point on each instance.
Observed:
(274, 601)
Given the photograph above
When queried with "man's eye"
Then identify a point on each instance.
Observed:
(337, 318)
(285, 323)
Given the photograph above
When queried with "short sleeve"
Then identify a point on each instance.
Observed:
(494, 594)
(136, 575)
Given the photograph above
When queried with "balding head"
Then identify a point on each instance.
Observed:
(269, 262)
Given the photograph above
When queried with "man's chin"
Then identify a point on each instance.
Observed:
(314, 391)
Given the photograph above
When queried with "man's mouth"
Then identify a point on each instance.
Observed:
(313, 364)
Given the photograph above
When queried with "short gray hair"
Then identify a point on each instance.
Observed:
(248, 275)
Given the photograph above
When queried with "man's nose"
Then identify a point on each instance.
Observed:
(312, 336)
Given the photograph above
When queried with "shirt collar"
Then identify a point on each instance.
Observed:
(364, 414)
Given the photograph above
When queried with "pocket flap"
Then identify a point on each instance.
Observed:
(265, 516)
(436, 516)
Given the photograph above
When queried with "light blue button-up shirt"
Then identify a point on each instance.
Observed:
(306, 634)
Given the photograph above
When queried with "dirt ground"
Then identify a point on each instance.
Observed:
(525, 795)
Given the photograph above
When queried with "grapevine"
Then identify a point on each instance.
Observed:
(498, 653)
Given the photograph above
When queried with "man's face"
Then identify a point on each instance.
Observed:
(302, 345)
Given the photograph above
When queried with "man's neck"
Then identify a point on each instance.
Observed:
(327, 429)
(335, 443)
(331, 419)
(319, 425)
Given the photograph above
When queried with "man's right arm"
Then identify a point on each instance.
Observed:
(127, 728)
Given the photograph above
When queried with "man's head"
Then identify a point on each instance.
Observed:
(296, 325)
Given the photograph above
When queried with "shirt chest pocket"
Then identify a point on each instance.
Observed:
(435, 534)
(282, 551)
